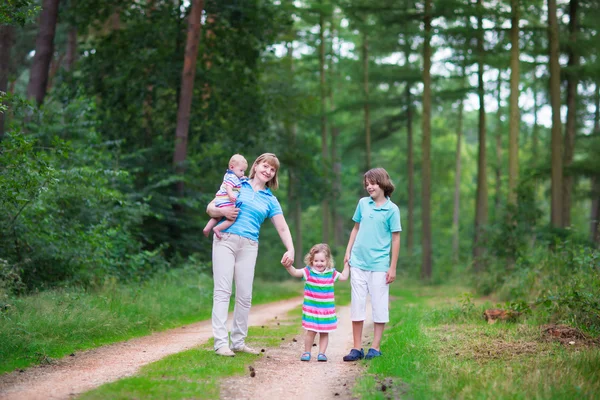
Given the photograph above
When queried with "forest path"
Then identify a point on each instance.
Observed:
(280, 374)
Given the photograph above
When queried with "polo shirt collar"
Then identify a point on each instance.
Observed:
(384, 206)
(267, 191)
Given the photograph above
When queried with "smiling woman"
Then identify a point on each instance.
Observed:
(234, 253)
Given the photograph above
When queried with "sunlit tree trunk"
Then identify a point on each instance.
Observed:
(570, 128)
(481, 202)
(556, 195)
(187, 90)
(410, 170)
(44, 49)
(514, 117)
(6, 43)
(365, 58)
(426, 267)
(324, 153)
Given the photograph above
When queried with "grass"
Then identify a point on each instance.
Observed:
(444, 350)
(38, 328)
(194, 373)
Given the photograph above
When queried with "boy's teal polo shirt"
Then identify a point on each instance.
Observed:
(371, 249)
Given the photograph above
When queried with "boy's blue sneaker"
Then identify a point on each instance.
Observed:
(355, 355)
(372, 353)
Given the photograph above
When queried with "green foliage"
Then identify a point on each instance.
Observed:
(17, 11)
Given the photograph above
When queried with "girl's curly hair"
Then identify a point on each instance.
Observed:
(319, 248)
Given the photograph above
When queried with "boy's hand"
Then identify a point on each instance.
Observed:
(390, 276)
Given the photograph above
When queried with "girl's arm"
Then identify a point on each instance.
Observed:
(391, 273)
(286, 237)
(295, 272)
(345, 272)
(351, 242)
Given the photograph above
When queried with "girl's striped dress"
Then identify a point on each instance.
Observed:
(318, 309)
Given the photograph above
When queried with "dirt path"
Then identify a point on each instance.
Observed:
(281, 375)
(278, 374)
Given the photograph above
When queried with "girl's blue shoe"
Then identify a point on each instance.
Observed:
(321, 357)
(305, 356)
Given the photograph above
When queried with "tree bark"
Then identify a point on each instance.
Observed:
(44, 50)
(6, 43)
(324, 154)
(457, 176)
(514, 121)
(365, 57)
(556, 141)
(570, 128)
(410, 170)
(187, 90)
(481, 205)
(426, 267)
(71, 57)
(498, 166)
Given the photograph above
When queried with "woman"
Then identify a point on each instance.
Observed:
(234, 254)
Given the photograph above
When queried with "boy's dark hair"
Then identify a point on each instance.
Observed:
(381, 178)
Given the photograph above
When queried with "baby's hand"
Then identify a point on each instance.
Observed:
(233, 199)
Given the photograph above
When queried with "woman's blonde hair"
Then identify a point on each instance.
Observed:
(273, 161)
(319, 248)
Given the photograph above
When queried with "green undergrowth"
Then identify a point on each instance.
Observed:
(439, 346)
(39, 328)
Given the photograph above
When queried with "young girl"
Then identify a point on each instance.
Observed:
(318, 309)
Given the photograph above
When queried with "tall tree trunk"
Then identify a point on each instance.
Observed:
(514, 119)
(426, 267)
(556, 142)
(187, 90)
(536, 127)
(365, 57)
(481, 205)
(570, 129)
(498, 166)
(209, 40)
(44, 49)
(595, 210)
(6, 43)
(294, 190)
(457, 176)
(410, 170)
(71, 57)
(324, 153)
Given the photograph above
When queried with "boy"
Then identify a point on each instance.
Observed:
(376, 231)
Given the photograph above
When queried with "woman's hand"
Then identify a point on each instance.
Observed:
(231, 213)
(288, 258)
(390, 276)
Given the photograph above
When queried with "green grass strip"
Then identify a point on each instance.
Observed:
(56, 323)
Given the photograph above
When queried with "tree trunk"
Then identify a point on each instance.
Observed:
(324, 154)
(457, 178)
(71, 57)
(44, 49)
(536, 127)
(514, 118)
(187, 90)
(410, 170)
(365, 57)
(556, 142)
(426, 267)
(6, 43)
(498, 166)
(595, 211)
(570, 129)
(481, 205)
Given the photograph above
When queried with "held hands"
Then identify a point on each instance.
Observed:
(288, 259)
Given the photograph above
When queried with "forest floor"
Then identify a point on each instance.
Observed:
(278, 373)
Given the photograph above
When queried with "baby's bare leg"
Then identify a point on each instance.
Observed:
(223, 225)
(211, 224)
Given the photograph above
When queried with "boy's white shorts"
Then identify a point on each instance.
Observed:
(372, 283)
